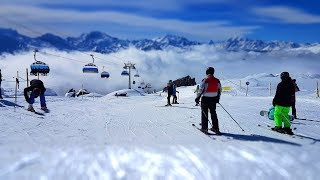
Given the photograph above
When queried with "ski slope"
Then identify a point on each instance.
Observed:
(137, 137)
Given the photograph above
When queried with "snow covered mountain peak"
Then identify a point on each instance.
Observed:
(101, 42)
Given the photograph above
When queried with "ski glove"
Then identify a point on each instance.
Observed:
(197, 100)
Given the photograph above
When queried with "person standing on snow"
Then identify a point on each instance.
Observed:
(37, 89)
(294, 111)
(197, 91)
(174, 94)
(169, 90)
(210, 91)
(282, 102)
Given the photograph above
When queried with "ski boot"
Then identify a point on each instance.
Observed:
(30, 108)
(277, 129)
(45, 109)
(215, 131)
(204, 131)
(168, 105)
(288, 131)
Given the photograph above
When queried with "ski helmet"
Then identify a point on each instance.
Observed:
(284, 75)
(210, 70)
(170, 81)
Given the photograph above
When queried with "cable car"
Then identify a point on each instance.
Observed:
(137, 75)
(124, 73)
(104, 74)
(91, 67)
(39, 67)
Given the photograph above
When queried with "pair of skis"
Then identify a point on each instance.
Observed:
(40, 113)
(208, 133)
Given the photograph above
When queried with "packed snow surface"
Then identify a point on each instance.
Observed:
(137, 137)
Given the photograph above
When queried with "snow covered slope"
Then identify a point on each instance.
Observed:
(136, 137)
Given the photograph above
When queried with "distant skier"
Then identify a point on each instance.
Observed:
(169, 90)
(197, 91)
(37, 89)
(210, 91)
(282, 102)
(294, 111)
(0, 85)
(174, 94)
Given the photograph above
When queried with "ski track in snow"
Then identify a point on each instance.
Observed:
(136, 138)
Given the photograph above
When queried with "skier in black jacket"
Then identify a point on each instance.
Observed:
(169, 90)
(37, 89)
(282, 102)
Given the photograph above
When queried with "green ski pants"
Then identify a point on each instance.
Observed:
(281, 114)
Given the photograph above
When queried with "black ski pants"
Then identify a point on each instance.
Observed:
(294, 111)
(168, 98)
(209, 103)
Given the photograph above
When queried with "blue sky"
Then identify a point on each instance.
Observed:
(201, 20)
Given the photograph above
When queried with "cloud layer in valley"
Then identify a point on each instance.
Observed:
(154, 67)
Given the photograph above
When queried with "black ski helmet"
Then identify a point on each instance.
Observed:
(210, 70)
(284, 75)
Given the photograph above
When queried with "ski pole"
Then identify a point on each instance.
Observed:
(231, 117)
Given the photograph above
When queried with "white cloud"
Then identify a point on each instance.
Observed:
(287, 15)
(75, 21)
(163, 5)
(155, 67)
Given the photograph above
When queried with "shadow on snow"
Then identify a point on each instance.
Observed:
(4, 103)
(255, 137)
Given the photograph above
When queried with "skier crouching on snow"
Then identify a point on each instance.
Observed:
(282, 102)
(37, 89)
(210, 90)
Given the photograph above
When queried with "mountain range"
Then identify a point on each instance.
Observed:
(96, 41)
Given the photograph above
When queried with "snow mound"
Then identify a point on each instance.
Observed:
(310, 76)
(50, 92)
(93, 94)
(126, 92)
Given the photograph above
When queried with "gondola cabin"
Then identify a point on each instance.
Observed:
(105, 74)
(39, 67)
(124, 73)
(90, 68)
(136, 75)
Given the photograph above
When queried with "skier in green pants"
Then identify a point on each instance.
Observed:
(282, 102)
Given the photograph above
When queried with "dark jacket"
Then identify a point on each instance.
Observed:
(170, 88)
(35, 83)
(284, 93)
